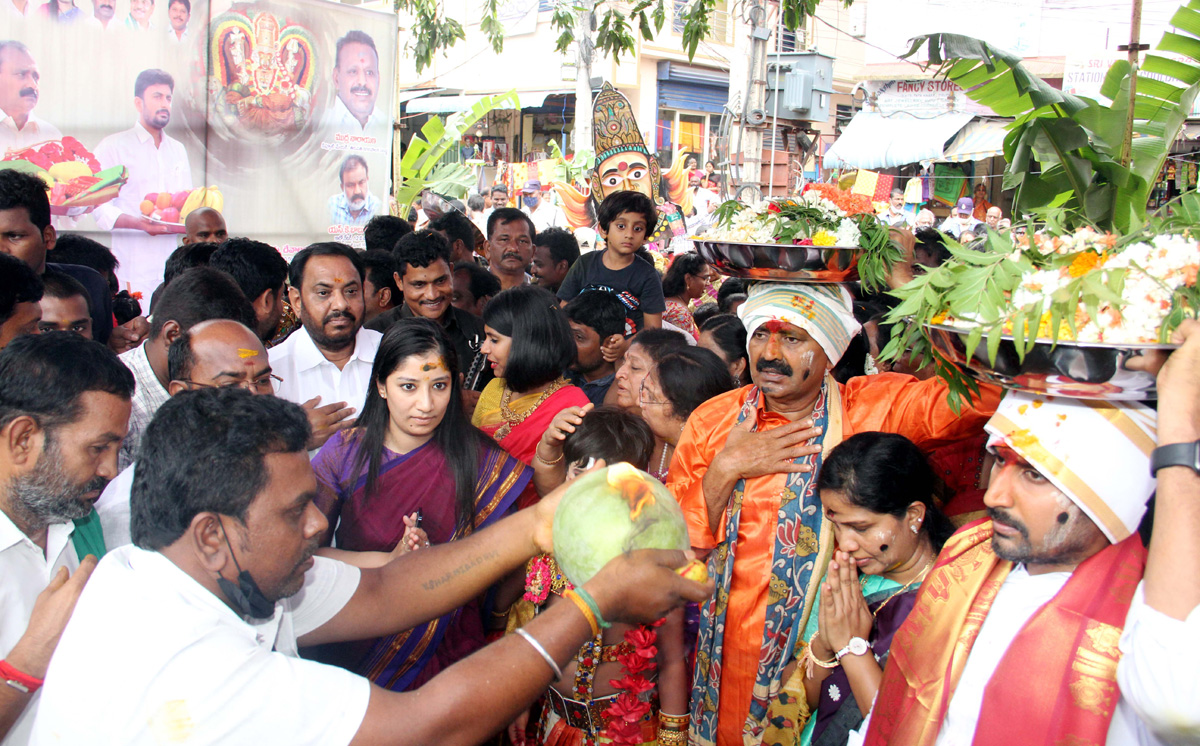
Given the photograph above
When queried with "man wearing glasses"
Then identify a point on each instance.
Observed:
(197, 295)
(212, 354)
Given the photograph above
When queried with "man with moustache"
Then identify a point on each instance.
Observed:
(156, 163)
(744, 473)
(426, 284)
(103, 12)
(356, 80)
(325, 366)
(19, 78)
(354, 204)
(510, 246)
(64, 407)
(179, 12)
(218, 354)
(1048, 622)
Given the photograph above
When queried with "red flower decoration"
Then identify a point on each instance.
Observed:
(641, 638)
(635, 685)
(628, 709)
(773, 208)
(635, 663)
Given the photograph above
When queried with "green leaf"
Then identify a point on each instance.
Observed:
(993, 343)
(973, 340)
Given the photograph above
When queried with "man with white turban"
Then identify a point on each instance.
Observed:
(1033, 627)
(745, 475)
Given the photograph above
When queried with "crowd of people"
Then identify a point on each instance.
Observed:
(313, 502)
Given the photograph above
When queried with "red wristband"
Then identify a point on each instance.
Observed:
(22, 682)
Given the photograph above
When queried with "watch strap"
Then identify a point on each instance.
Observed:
(849, 649)
(1176, 454)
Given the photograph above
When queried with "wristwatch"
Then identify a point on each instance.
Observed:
(1176, 454)
(856, 646)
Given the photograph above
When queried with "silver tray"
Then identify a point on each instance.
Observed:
(1079, 370)
(781, 262)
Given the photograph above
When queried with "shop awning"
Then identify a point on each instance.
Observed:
(449, 104)
(980, 139)
(872, 140)
(415, 93)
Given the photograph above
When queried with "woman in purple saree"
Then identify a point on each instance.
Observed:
(412, 452)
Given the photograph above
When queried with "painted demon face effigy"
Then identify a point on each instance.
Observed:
(622, 160)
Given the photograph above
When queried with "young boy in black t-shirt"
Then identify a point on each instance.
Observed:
(626, 219)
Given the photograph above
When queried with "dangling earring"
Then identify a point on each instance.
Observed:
(737, 381)
(916, 529)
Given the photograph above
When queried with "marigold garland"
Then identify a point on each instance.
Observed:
(853, 204)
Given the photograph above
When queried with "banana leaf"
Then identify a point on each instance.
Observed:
(421, 167)
(1068, 151)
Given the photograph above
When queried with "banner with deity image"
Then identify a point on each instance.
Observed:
(137, 113)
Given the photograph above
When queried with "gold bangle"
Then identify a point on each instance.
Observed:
(587, 611)
(673, 722)
(672, 737)
(812, 657)
(538, 456)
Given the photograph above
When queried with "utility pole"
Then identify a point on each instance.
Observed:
(582, 132)
(753, 115)
(1134, 48)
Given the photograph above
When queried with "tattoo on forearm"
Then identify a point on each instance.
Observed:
(430, 585)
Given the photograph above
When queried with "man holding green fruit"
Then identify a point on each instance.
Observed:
(222, 586)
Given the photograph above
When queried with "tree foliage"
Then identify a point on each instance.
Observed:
(616, 26)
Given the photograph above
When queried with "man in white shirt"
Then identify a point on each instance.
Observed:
(212, 354)
(1034, 627)
(544, 213)
(197, 295)
(356, 81)
(103, 13)
(19, 78)
(179, 12)
(326, 365)
(64, 404)
(221, 588)
(156, 163)
(895, 215)
(961, 219)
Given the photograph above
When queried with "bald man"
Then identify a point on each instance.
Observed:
(204, 224)
(212, 354)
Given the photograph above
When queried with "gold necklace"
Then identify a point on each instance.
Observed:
(920, 577)
(511, 418)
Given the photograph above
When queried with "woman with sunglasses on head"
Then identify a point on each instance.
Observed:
(412, 458)
(529, 345)
(877, 492)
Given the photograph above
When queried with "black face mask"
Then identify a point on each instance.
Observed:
(245, 597)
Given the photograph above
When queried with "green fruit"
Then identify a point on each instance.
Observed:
(612, 511)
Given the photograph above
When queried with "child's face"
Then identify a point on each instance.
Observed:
(626, 233)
